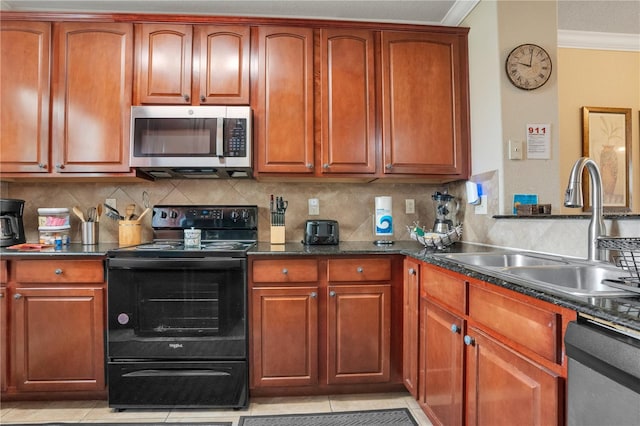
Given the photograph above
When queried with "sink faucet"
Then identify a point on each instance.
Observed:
(573, 198)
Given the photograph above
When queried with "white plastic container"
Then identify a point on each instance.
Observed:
(49, 234)
(53, 217)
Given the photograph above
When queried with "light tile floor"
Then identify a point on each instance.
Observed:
(99, 411)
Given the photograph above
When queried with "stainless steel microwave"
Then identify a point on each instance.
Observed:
(191, 141)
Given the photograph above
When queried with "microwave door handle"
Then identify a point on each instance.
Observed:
(219, 137)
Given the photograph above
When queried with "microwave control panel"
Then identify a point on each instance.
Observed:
(235, 137)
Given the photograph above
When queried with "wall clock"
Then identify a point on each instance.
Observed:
(528, 66)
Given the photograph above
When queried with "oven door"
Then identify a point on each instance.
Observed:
(177, 308)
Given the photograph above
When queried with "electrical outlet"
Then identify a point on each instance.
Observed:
(111, 202)
(482, 207)
(314, 207)
(515, 150)
(410, 206)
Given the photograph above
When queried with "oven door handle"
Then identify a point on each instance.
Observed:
(176, 373)
(173, 263)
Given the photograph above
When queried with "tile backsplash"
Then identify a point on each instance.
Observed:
(351, 204)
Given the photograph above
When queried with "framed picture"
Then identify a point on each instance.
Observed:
(606, 139)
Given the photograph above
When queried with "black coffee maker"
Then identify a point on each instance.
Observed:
(11, 226)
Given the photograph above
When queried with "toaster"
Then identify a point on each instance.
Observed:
(321, 232)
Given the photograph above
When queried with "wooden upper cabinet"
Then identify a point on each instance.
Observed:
(347, 95)
(425, 104)
(223, 74)
(192, 64)
(163, 72)
(24, 96)
(284, 106)
(92, 82)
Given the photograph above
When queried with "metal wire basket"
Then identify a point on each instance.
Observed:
(626, 255)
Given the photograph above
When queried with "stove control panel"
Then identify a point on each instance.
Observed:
(204, 217)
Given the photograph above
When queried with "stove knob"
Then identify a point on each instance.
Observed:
(245, 215)
(163, 214)
(173, 214)
(235, 215)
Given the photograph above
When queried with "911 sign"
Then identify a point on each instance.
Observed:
(538, 141)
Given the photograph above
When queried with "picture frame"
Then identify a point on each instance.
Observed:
(606, 139)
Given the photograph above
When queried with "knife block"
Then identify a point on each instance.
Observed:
(129, 233)
(277, 234)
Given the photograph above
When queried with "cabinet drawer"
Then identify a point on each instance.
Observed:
(3, 271)
(285, 270)
(59, 271)
(527, 325)
(378, 269)
(445, 288)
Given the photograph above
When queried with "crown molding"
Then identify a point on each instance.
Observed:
(459, 11)
(598, 41)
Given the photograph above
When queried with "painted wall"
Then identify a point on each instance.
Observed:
(597, 78)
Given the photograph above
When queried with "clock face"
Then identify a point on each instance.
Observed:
(528, 66)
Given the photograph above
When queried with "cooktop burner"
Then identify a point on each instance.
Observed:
(205, 246)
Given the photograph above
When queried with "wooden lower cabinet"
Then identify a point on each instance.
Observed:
(3, 335)
(56, 312)
(323, 324)
(488, 355)
(411, 325)
(503, 387)
(284, 336)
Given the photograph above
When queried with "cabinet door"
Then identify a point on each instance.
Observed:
(442, 390)
(358, 333)
(223, 58)
(503, 388)
(284, 336)
(93, 72)
(410, 335)
(163, 72)
(424, 104)
(24, 98)
(348, 101)
(4, 368)
(65, 354)
(284, 109)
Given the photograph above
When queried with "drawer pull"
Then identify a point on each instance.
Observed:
(314, 294)
(412, 271)
(468, 340)
(360, 269)
(1, 295)
(332, 293)
(455, 328)
(17, 296)
(285, 271)
(58, 271)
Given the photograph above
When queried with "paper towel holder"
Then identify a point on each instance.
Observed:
(383, 220)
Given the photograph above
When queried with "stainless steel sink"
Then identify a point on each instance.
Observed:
(505, 259)
(560, 275)
(578, 280)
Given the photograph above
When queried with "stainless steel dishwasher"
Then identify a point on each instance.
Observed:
(603, 375)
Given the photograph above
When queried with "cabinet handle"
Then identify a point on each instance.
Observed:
(314, 294)
(58, 271)
(285, 271)
(332, 293)
(468, 340)
(455, 328)
(42, 166)
(360, 269)
(388, 166)
(325, 166)
(309, 166)
(412, 271)
(186, 97)
(17, 296)
(60, 166)
(1, 295)
(202, 98)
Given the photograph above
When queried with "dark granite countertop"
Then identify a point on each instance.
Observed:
(73, 249)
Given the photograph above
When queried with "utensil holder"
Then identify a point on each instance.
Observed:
(90, 232)
(277, 234)
(129, 233)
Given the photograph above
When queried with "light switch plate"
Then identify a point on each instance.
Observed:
(410, 206)
(482, 207)
(515, 150)
(314, 207)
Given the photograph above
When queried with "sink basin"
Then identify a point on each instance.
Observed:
(559, 275)
(504, 259)
(578, 280)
